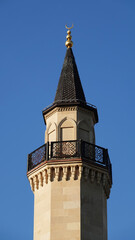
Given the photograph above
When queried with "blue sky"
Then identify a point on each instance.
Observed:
(32, 51)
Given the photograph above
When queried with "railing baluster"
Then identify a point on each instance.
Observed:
(51, 149)
(28, 162)
(47, 151)
(80, 148)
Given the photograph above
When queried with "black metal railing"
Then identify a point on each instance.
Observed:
(70, 149)
(36, 157)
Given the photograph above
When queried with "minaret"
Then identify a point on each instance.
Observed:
(69, 175)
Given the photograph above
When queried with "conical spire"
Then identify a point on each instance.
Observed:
(69, 86)
(69, 91)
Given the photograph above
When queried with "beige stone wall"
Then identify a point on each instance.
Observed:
(70, 123)
(93, 212)
(42, 213)
(65, 210)
(57, 211)
(70, 201)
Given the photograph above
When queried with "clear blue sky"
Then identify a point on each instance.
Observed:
(32, 50)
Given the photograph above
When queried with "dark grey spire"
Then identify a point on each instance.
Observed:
(69, 87)
(69, 91)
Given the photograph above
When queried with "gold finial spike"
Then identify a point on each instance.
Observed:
(69, 43)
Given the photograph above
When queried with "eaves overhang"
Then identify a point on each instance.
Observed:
(84, 105)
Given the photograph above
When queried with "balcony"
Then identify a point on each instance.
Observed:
(70, 150)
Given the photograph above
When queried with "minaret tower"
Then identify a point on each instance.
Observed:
(69, 175)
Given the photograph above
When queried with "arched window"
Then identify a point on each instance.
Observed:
(84, 131)
(67, 130)
(51, 132)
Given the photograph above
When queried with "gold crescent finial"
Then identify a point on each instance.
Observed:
(69, 43)
(69, 27)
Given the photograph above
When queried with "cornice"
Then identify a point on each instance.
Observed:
(67, 171)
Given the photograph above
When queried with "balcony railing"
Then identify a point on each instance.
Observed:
(70, 149)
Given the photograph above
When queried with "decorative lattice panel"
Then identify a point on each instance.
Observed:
(36, 157)
(64, 149)
(93, 152)
(99, 157)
